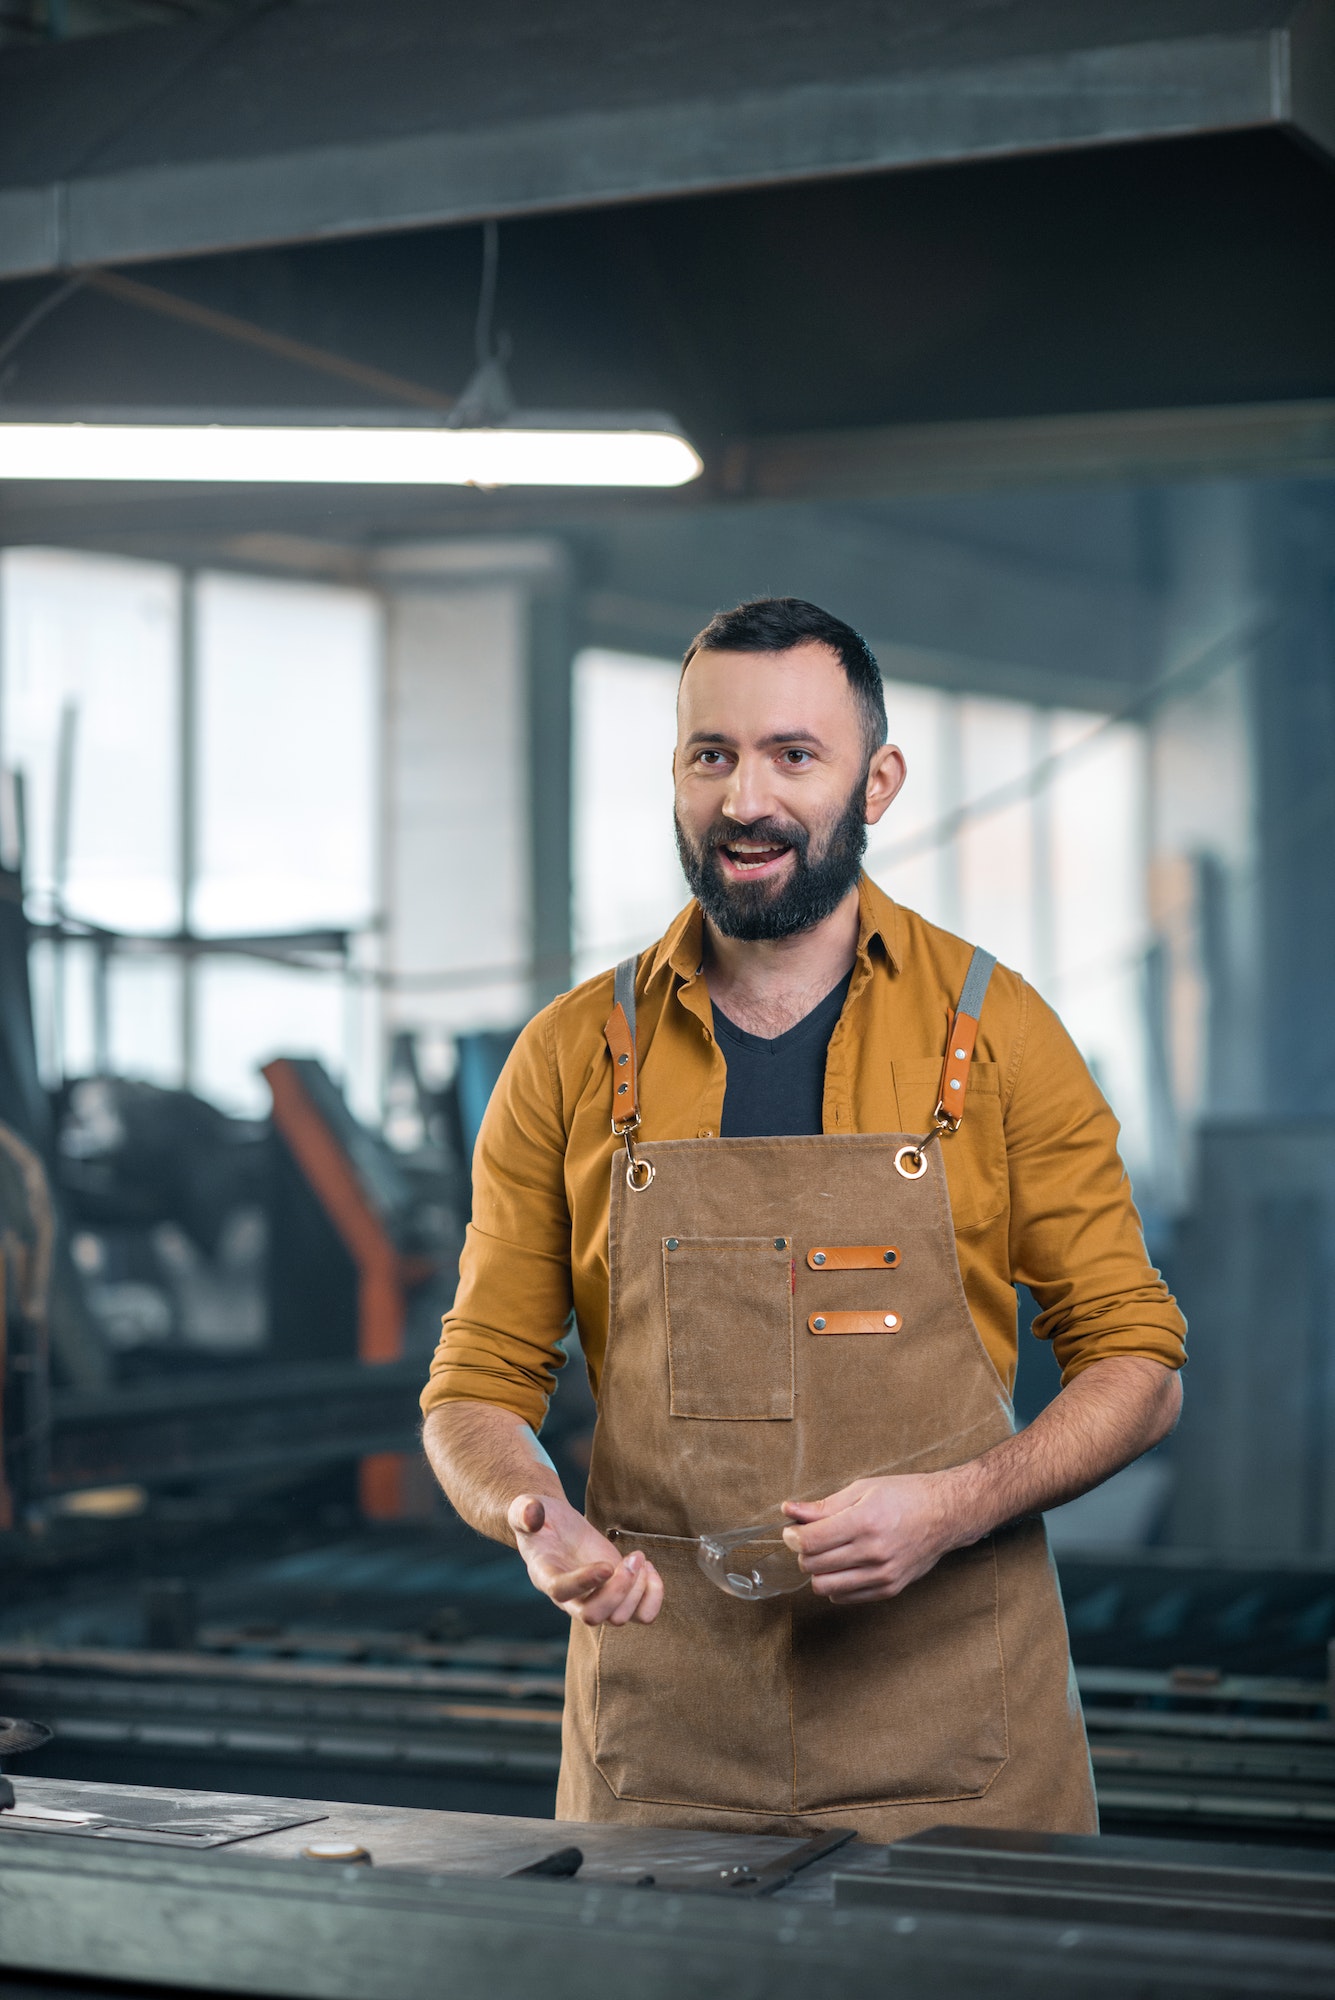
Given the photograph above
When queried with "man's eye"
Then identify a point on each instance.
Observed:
(711, 756)
(797, 758)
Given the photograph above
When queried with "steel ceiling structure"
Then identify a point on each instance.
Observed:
(269, 126)
(875, 249)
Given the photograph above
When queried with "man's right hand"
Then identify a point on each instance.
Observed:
(579, 1569)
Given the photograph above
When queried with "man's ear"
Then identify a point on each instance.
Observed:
(885, 774)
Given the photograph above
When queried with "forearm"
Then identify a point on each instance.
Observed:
(1109, 1415)
(484, 1457)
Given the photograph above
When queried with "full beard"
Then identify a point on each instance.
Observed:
(761, 911)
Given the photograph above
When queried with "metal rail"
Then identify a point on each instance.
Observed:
(1202, 1758)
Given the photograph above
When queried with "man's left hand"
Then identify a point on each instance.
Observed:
(873, 1538)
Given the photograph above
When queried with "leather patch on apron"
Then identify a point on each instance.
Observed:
(855, 1322)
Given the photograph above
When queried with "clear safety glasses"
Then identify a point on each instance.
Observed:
(751, 1562)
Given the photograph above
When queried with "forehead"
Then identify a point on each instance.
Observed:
(755, 694)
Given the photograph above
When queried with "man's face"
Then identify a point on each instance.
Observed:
(773, 790)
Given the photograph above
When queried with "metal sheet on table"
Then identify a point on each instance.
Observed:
(158, 1818)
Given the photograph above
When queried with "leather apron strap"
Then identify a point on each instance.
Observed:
(621, 1042)
(619, 1035)
(963, 1035)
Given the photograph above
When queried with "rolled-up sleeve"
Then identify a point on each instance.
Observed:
(1076, 1239)
(500, 1340)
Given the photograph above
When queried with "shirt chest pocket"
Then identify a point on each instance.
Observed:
(975, 1156)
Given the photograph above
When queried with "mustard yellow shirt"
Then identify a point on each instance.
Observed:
(1039, 1193)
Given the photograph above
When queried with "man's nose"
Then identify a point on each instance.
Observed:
(749, 793)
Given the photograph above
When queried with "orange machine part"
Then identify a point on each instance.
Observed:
(381, 1273)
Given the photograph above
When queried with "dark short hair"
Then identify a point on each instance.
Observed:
(773, 624)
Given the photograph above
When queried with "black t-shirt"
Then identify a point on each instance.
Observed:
(776, 1087)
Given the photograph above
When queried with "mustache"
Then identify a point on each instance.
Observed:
(783, 833)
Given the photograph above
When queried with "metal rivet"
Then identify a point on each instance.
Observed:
(781, 1243)
(622, 1061)
(622, 1088)
(891, 1257)
(955, 1083)
(818, 1256)
(672, 1243)
(890, 1320)
(819, 1324)
(961, 1055)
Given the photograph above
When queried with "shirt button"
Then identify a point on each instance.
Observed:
(705, 1132)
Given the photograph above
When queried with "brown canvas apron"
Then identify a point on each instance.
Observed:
(748, 1363)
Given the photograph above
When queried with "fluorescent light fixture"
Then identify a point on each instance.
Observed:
(349, 455)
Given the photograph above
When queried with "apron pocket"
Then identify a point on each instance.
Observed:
(729, 1303)
(693, 1710)
(903, 1701)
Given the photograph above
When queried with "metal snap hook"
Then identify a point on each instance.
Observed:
(639, 1173)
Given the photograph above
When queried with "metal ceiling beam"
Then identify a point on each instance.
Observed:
(1140, 446)
(298, 123)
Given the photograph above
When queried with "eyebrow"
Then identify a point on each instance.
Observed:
(773, 741)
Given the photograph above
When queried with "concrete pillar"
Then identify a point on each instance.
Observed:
(1294, 711)
(1245, 798)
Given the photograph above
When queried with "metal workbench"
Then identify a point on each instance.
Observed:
(450, 1903)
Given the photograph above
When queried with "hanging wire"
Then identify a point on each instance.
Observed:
(483, 348)
(15, 338)
(486, 398)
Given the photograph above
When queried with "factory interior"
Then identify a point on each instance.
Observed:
(1005, 333)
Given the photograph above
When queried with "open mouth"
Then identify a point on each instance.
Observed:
(747, 859)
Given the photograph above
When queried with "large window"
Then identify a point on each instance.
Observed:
(195, 756)
(627, 879)
(1019, 827)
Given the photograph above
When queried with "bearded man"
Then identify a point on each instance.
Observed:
(787, 1168)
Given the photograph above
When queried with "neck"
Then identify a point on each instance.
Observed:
(768, 986)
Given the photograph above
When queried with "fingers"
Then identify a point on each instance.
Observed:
(526, 1514)
(634, 1597)
(652, 1601)
(840, 1531)
(600, 1594)
(833, 1503)
(856, 1553)
(865, 1585)
(571, 1586)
